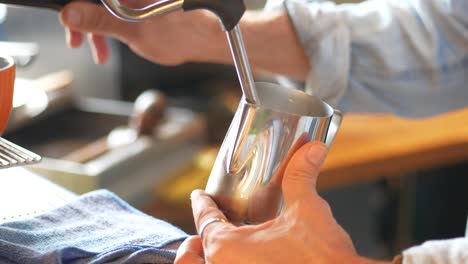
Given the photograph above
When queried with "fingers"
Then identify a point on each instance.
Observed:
(99, 48)
(74, 38)
(98, 44)
(190, 251)
(204, 208)
(301, 173)
(88, 17)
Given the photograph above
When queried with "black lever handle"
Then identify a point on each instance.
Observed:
(53, 4)
(228, 11)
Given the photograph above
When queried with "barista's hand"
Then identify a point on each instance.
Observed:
(169, 39)
(196, 36)
(305, 233)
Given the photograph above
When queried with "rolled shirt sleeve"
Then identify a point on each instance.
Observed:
(450, 251)
(409, 57)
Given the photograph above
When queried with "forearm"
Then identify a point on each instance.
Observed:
(271, 44)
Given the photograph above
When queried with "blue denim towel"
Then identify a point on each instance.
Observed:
(98, 227)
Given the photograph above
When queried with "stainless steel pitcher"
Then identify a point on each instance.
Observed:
(246, 178)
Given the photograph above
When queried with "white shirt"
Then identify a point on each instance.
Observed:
(409, 57)
(450, 251)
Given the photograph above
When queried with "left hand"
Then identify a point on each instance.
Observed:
(306, 232)
(194, 36)
(169, 39)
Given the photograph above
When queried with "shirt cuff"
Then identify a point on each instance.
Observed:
(450, 251)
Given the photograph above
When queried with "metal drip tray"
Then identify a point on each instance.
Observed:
(13, 155)
(63, 132)
(132, 171)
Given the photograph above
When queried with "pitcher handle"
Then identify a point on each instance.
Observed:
(333, 127)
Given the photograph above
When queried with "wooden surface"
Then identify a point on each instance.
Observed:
(372, 146)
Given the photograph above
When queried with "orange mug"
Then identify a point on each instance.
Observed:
(7, 83)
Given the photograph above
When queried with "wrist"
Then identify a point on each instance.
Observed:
(214, 47)
(272, 43)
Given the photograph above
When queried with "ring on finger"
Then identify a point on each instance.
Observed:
(209, 221)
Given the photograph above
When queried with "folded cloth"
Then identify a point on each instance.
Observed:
(97, 227)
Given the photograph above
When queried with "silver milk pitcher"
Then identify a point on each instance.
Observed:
(246, 178)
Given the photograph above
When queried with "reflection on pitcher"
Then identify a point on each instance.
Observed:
(264, 204)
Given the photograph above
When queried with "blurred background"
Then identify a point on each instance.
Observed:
(383, 210)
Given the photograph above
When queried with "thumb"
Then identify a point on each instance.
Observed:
(300, 177)
(89, 17)
(190, 251)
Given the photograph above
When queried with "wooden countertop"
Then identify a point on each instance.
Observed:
(376, 145)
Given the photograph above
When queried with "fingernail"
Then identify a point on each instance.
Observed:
(95, 57)
(193, 194)
(317, 153)
(73, 17)
(68, 38)
(94, 51)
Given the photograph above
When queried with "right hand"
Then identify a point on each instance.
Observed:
(306, 231)
(169, 39)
